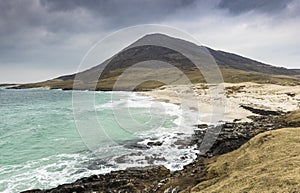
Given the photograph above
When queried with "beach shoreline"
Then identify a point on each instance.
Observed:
(247, 106)
(238, 96)
(160, 179)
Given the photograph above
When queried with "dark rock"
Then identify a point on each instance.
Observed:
(183, 143)
(236, 120)
(152, 159)
(291, 94)
(130, 180)
(32, 191)
(233, 135)
(154, 143)
(136, 146)
(261, 111)
(67, 88)
(229, 125)
(202, 126)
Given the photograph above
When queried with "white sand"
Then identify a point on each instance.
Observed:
(262, 96)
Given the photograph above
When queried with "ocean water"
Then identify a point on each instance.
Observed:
(41, 147)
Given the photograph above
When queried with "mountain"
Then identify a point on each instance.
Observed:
(296, 70)
(154, 56)
(238, 62)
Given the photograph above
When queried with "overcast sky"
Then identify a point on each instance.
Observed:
(42, 39)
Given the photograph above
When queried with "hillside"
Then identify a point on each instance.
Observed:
(296, 70)
(234, 68)
(231, 60)
(270, 162)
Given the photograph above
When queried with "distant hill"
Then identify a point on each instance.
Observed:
(297, 71)
(234, 68)
(238, 62)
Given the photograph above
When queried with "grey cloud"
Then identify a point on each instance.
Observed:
(26, 26)
(57, 33)
(115, 8)
(29, 33)
(264, 6)
(121, 13)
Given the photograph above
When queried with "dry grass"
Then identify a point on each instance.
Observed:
(57, 84)
(293, 117)
(270, 162)
(236, 76)
(169, 76)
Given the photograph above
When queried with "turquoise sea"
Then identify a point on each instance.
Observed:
(40, 146)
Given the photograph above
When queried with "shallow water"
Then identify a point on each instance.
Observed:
(40, 146)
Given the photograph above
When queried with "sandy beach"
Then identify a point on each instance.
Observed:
(259, 96)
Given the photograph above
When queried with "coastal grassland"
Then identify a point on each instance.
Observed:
(269, 162)
(236, 76)
(7, 85)
(293, 117)
(139, 75)
(52, 84)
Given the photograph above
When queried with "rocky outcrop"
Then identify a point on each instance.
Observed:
(261, 111)
(131, 180)
(233, 134)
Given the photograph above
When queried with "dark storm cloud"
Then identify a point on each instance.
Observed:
(264, 6)
(27, 27)
(121, 13)
(56, 34)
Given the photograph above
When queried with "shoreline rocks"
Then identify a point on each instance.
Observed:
(159, 179)
(232, 135)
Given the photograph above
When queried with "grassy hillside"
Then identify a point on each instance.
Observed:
(293, 118)
(138, 75)
(270, 162)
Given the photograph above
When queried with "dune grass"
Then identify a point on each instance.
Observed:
(269, 162)
(293, 117)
